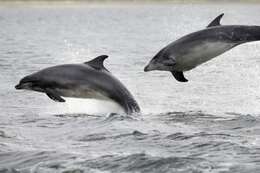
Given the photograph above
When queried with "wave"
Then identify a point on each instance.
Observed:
(104, 136)
(142, 162)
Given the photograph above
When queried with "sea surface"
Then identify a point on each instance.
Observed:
(209, 124)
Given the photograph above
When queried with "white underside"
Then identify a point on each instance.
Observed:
(83, 93)
(200, 54)
(92, 106)
(89, 101)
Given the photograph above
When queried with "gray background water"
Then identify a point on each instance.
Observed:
(210, 124)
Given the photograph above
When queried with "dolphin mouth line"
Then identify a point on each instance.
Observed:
(18, 86)
(146, 69)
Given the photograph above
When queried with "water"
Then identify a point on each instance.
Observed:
(210, 124)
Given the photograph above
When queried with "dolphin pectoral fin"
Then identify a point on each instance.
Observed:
(54, 96)
(216, 21)
(178, 75)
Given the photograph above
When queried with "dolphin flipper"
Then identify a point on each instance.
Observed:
(54, 96)
(216, 21)
(178, 75)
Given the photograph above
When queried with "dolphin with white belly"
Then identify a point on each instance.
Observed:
(87, 80)
(199, 47)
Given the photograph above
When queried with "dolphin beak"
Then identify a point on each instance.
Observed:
(146, 69)
(18, 87)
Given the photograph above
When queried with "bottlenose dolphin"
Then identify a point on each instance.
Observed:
(196, 48)
(88, 80)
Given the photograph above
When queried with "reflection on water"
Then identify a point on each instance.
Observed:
(210, 124)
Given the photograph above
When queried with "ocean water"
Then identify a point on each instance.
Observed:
(209, 124)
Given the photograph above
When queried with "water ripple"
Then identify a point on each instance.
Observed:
(147, 163)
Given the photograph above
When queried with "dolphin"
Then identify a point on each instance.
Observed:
(199, 47)
(88, 80)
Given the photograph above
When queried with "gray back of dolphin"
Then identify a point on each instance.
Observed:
(196, 48)
(88, 80)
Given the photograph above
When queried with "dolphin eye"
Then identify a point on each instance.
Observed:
(28, 79)
(154, 60)
(168, 64)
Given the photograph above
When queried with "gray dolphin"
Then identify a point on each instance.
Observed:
(196, 48)
(88, 80)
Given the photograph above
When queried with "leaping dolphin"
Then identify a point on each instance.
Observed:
(199, 47)
(88, 80)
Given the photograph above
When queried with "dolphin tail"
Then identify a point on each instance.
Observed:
(257, 33)
(130, 106)
(127, 101)
(245, 34)
(253, 34)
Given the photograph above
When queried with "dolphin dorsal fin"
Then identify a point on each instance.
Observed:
(97, 63)
(216, 21)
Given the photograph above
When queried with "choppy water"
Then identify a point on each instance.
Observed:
(210, 124)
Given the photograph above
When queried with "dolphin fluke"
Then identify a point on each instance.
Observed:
(216, 21)
(178, 75)
(130, 105)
